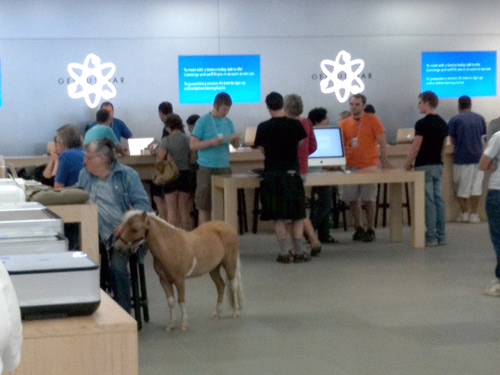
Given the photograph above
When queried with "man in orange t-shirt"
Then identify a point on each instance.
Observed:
(362, 134)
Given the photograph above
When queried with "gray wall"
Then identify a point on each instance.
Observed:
(144, 38)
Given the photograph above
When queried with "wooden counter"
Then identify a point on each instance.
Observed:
(224, 195)
(103, 343)
(86, 216)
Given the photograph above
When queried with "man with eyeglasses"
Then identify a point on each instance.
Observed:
(115, 188)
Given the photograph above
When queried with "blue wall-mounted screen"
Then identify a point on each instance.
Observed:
(0, 83)
(203, 77)
(453, 74)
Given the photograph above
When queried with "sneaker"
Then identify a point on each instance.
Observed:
(301, 258)
(369, 235)
(359, 234)
(328, 239)
(493, 289)
(284, 258)
(315, 251)
(432, 243)
(474, 219)
(463, 217)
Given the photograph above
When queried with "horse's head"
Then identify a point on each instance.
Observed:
(132, 232)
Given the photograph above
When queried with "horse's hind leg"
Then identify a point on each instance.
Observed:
(219, 284)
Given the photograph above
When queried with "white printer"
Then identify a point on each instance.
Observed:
(49, 280)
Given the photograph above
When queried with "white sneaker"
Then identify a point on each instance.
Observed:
(474, 219)
(463, 218)
(493, 289)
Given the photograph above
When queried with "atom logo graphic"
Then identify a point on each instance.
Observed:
(342, 76)
(91, 80)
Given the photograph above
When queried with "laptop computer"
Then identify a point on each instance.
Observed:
(250, 134)
(136, 145)
(405, 135)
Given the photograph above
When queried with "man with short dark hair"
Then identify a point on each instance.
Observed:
(118, 126)
(282, 190)
(363, 133)
(115, 188)
(426, 149)
(213, 152)
(466, 132)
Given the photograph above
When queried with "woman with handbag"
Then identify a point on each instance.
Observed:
(177, 192)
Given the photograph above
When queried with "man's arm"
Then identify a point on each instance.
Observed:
(383, 151)
(196, 143)
(485, 162)
(415, 148)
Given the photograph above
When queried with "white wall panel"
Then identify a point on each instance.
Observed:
(144, 38)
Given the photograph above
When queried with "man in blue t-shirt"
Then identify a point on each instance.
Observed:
(466, 132)
(210, 139)
(68, 147)
(119, 128)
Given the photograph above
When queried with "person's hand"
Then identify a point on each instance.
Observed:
(215, 141)
(386, 164)
(408, 166)
(118, 231)
(54, 156)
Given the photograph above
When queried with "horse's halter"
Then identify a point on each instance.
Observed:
(131, 247)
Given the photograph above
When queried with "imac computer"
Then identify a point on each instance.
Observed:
(330, 151)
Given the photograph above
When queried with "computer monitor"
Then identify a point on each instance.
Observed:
(330, 151)
(135, 145)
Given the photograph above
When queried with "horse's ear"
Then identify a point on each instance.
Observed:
(144, 216)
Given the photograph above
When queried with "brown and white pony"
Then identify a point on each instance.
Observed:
(179, 254)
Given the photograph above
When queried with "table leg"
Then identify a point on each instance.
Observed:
(217, 203)
(396, 212)
(418, 212)
(231, 205)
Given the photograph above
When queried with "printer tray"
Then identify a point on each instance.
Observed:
(54, 284)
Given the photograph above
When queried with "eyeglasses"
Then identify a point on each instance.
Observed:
(90, 157)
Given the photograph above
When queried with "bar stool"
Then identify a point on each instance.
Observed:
(242, 212)
(139, 291)
(384, 205)
(256, 210)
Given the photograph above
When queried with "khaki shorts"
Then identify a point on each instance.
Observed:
(467, 180)
(203, 194)
(364, 193)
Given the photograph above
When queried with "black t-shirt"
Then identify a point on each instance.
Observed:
(280, 137)
(434, 130)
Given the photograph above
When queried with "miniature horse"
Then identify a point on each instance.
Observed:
(179, 254)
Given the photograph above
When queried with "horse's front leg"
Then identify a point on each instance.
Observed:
(169, 292)
(179, 284)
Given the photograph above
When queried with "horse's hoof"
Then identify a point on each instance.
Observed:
(169, 328)
(184, 328)
(236, 315)
(214, 316)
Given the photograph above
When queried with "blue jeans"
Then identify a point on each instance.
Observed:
(434, 205)
(493, 213)
(320, 210)
(119, 276)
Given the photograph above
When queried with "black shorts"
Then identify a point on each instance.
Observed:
(184, 183)
(282, 196)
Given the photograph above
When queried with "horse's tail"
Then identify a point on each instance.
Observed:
(235, 290)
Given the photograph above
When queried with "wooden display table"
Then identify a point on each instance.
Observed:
(103, 343)
(86, 216)
(224, 195)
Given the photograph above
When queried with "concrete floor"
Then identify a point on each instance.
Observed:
(379, 308)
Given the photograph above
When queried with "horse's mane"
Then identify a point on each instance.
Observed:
(131, 213)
